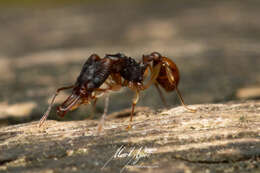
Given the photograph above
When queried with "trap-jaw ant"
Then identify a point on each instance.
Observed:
(116, 71)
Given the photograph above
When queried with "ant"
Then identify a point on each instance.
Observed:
(116, 71)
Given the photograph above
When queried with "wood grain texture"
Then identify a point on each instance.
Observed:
(217, 138)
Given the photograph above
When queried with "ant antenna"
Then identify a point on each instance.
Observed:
(46, 114)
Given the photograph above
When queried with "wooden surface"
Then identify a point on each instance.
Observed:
(217, 138)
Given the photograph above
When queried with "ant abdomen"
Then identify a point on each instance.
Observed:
(165, 79)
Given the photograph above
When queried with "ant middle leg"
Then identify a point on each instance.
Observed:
(93, 108)
(134, 102)
(111, 87)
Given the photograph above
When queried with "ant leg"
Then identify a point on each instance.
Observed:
(161, 94)
(182, 102)
(135, 100)
(102, 121)
(147, 70)
(93, 109)
(171, 79)
(155, 72)
(46, 114)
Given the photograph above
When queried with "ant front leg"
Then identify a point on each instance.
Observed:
(46, 114)
(102, 121)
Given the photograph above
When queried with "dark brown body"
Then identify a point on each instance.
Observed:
(95, 72)
(116, 71)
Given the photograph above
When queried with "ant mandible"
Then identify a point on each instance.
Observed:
(116, 71)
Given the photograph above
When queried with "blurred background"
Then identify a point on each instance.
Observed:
(216, 45)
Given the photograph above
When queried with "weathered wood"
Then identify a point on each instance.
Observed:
(218, 138)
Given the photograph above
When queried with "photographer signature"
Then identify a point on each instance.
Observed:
(133, 156)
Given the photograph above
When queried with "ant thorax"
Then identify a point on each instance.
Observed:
(133, 71)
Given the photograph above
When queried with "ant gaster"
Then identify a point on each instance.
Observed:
(116, 71)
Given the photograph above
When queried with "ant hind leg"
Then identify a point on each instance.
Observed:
(172, 80)
(182, 101)
(154, 74)
(161, 94)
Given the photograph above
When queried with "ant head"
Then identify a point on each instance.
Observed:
(72, 100)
